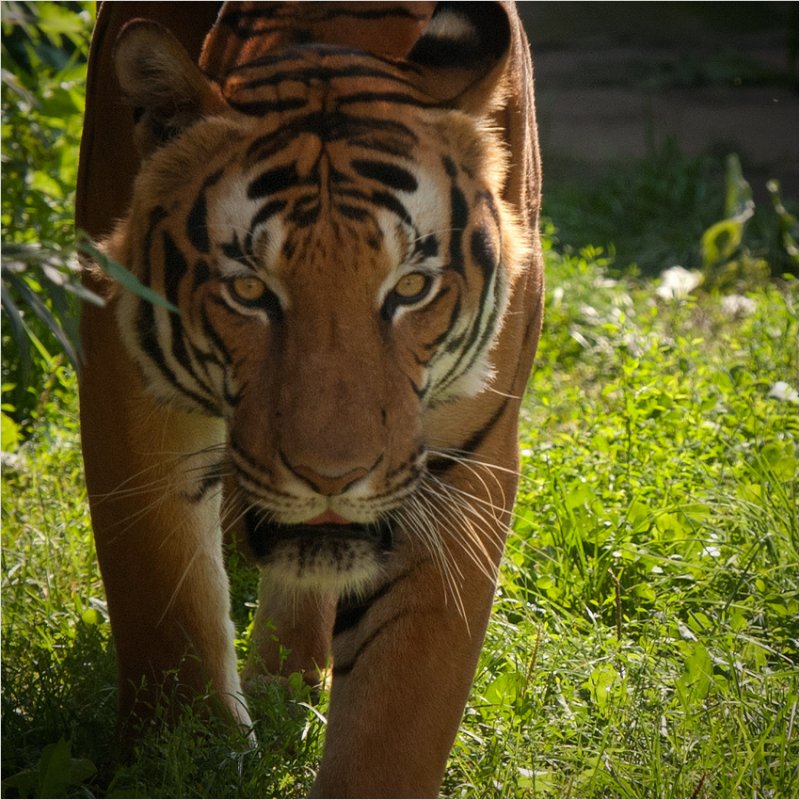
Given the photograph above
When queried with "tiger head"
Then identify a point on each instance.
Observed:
(331, 234)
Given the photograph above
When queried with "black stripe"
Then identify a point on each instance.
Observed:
(305, 211)
(441, 465)
(427, 246)
(247, 20)
(156, 216)
(230, 398)
(148, 341)
(242, 22)
(484, 254)
(146, 326)
(353, 212)
(272, 181)
(483, 251)
(202, 273)
(329, 127)
(260, 108)
(265, 212)
(340, 670)
(391, 175)
(419, 391)
(390, 202)
(308, 74)
(266, 60)
(434, 343)
(196, 225)
(176, 267)
(483, 326)
(197, 222)
(376, 13)
(351, 609)
(234, 250)
(213, 337)
(388, 146)
(459, 216)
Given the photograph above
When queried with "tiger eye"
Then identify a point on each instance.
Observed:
(412, 286)
(248, 289)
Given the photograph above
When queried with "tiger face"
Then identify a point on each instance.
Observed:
(338, 256)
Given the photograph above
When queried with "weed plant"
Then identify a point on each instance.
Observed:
(644, 639)
(653, 213)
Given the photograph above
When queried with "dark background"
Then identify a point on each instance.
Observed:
(615, 81)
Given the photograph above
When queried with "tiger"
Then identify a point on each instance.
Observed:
(336, 204)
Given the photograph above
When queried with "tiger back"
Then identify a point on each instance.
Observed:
(339, 208)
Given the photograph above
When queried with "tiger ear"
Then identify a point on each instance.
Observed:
(167, 90)
(463, 53)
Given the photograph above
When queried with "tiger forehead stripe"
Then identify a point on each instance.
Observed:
(392, 175)
(308, 73)
(273, 181)
(330, 127)
(246, 94)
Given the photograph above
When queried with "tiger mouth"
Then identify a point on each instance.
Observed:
(305, 543)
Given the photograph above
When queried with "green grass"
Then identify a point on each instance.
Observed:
(644, 637)
(644, 641)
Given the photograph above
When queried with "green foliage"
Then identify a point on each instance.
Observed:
(669, 209)
(44, 52)
(55, 773)
(644, 639)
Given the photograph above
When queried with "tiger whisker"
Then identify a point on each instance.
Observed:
(418, 520)
(472, 467)
(471, 542)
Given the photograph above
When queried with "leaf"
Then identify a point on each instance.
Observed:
(46, 316)
(18, 334)
(578, 494)
(54, 771)
(601, 683)
(738, 194)
(10, 434)
(505, 689)
(46, 184)
(54, 19)
(54, 774)
(122, 275)
(695, 683)
(721, 241)
(787, 222)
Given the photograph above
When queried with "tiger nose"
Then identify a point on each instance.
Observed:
(328, 485)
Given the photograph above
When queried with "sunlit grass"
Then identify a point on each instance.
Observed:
(644, 643)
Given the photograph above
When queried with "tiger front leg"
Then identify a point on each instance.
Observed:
(152, 476)
(403, 664)
(291, 634)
